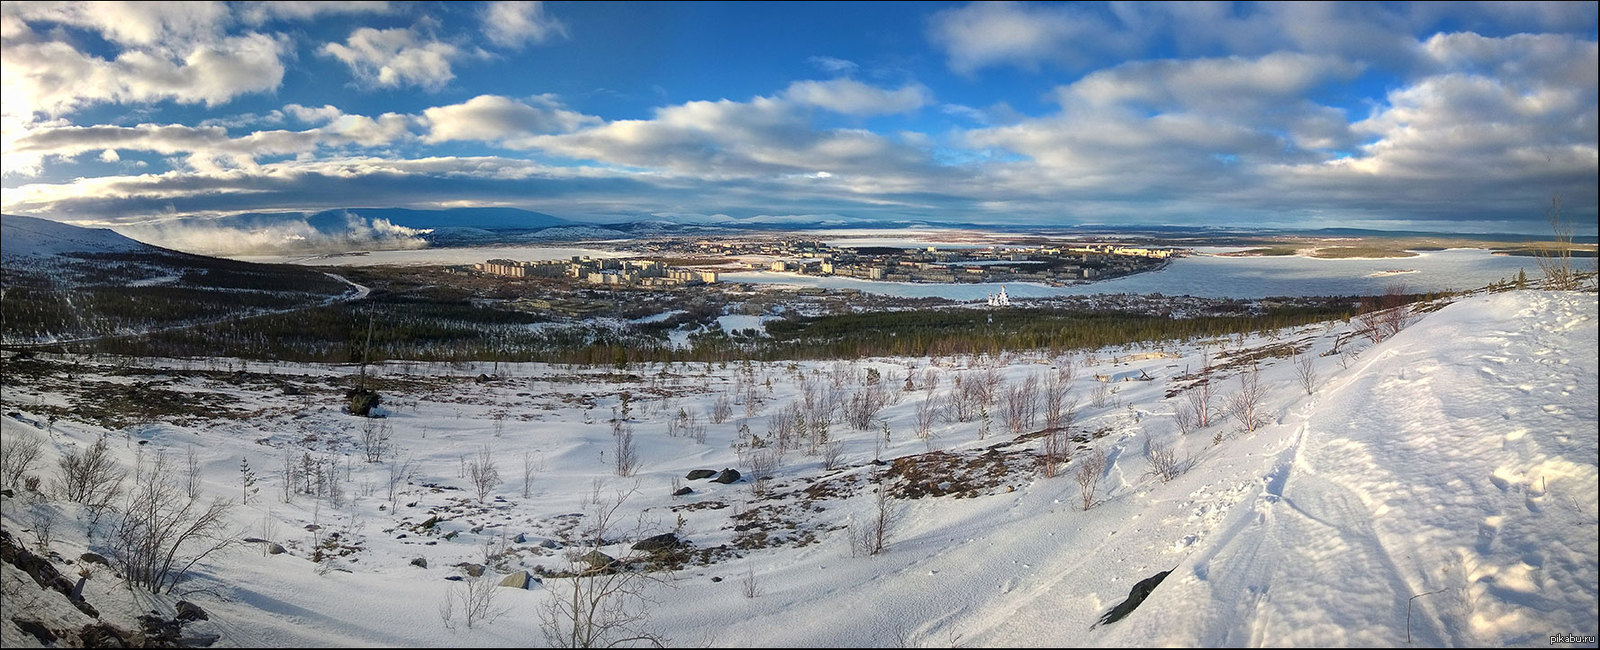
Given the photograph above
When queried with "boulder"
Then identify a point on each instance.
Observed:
(695, 475)
(474, 570)
(655, 543)
(188, 611)
(273, 548)
(94, 558)
(519, 580)
(597, 560)
(420, 562)
(728, 476)
(683, 491)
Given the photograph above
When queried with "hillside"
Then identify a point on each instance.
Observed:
(63, 283)
(1436, 488)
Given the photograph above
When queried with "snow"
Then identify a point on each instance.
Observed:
(1457, 459)
(22, 238)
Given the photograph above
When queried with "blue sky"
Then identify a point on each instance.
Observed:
(1431, 116)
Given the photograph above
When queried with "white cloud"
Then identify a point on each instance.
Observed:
(982, 34)
(396, 57)
(491, 118)
(110, 156)
(256, 13)
(516, 24)
(318, 115)
(176, 25)
(852, 97)
(833, 65)
(290, 233)
(54, 78)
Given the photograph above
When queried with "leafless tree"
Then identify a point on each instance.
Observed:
(18, 453)
(163, 532)
(763, 465)
(1202, 393)
(191, 473)
(625, 457)
(482, 473)
(1088, 476)
(1058, 395)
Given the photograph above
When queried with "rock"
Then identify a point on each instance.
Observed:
(430, 523)
(550, 544)
(520, 539)
(94, 558)
(655, 543)
(254, 540)
(698, 474)
(682, 491)
(454, 578)
(188, 611)
(728, 476)
(1140, 591)
(274, 548)
(37, 630)
(716, 578)
(420, 562)
(597, 560)
(519, 580)
(482, 378)
(473, 570)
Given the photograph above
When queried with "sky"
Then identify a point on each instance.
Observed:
(1427, 116)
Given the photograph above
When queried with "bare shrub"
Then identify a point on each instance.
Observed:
(763, 465)
(400, 473)
(1305, 370)
(1163, 459)
(530, 467)
(599, 606)
(721, 409)
(927, 410)
(482, 473)
(748, 585)
(625, 457)
(1246, 405)
(869, 536)
(90, 476)
(1102, 395)
(1088, 476)
(478, 600)
(1555, 258)
(375, 439)
(1058, 395)
(1183, 415)
(1022, 404)
(18, 453)
(163, 532)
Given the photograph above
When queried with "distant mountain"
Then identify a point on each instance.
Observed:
(482, 218)
(29, 238)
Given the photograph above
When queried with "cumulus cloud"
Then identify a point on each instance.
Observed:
(852, 97)
(256, 13)
(54, 78)
(492, 118)
(396, 57)
(516, 24)
(991, 33)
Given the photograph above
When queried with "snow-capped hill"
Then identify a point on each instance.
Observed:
(30, 237)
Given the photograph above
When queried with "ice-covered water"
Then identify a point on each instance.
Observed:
(436, 256)
(1225, 277)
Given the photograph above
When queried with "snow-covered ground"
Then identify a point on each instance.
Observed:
(1437, 488)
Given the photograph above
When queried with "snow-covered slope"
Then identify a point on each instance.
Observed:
(22, 238)
(1440, 486)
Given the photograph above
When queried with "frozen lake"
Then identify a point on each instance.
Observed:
(1225, 277)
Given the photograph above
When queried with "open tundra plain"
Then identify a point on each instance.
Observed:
(1430, 480)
